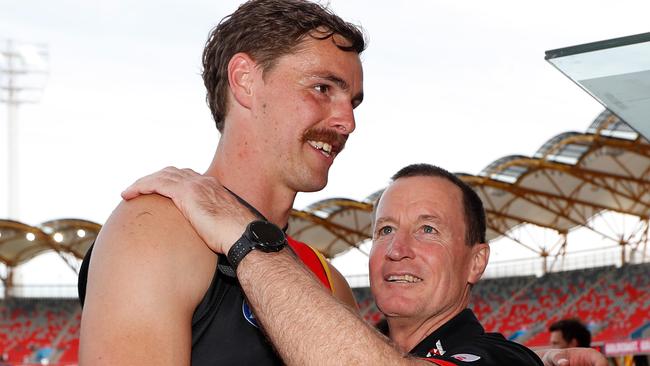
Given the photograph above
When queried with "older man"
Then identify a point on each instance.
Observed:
(429, 249)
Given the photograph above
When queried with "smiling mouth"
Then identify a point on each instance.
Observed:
(403, 279)
(323, 147)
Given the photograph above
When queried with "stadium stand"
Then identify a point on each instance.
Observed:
(614, 302)
(27, 325)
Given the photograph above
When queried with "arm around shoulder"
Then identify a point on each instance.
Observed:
(148, 271)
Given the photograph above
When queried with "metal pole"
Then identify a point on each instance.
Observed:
(17, 65)
(11, 162)
(13, 174)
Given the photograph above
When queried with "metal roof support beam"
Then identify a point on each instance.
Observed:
(520, 219)
(521, 192)
(533, 198)
(8, 282)
(587, 175)
(562, 250)
(70, 263)
(332, 227)
(505, 233)
(319, 220)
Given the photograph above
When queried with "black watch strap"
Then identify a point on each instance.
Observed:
(239, 250)
(259, 234)
(225, 267)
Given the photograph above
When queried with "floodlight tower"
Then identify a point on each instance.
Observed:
(23, 72)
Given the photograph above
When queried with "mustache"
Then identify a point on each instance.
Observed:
(331, 137)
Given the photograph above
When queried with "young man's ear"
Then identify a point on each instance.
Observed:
(480, 258)
(240, 78)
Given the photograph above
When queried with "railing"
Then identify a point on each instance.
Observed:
(41, 291)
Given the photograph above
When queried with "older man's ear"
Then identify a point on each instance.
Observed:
(479, 261)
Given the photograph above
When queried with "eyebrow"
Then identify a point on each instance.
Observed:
(384, 219)
(429, 218)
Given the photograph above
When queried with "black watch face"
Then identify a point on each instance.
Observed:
(267, 234)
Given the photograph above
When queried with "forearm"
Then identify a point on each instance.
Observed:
(305, 323)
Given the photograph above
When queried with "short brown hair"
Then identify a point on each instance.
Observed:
(266, 30)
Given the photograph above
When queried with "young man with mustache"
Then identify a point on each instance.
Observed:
(283, 78)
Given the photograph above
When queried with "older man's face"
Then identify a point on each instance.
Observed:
(420, 265)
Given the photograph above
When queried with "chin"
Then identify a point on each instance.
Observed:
(313, 185)
(396, 309)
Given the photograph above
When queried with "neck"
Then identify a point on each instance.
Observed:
(408, 332)
(242, 174)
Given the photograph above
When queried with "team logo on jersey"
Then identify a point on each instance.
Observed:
(438, 351)
(248, 314)
(466, 357)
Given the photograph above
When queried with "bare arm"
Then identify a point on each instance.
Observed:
(280, 289)
(572, 356)
(144, 282)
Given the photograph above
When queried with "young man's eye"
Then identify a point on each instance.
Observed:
(321, 88)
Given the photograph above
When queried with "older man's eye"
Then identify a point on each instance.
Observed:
(385, 230)
(427, 229)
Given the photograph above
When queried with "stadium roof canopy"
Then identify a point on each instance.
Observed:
(570, 179)
(20, 242)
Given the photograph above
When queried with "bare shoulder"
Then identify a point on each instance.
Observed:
(149, 235)
(148, 271)
(342, 290)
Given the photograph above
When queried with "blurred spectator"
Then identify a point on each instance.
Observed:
(43, 355)
(569, 333)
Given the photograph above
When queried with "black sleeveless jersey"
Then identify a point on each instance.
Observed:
(224, 330)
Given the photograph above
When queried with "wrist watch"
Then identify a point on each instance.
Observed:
(260, 235)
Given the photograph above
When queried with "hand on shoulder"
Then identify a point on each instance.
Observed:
(215, 213)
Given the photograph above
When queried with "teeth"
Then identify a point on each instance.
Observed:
(323, 147)
(404, 278)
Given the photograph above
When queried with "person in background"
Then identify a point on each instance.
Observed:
(569, 333)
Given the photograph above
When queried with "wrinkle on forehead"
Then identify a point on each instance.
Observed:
(412, 198)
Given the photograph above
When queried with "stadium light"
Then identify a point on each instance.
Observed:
(23, 73)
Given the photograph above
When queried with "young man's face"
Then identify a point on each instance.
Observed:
(304, 111)
(419, 262)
